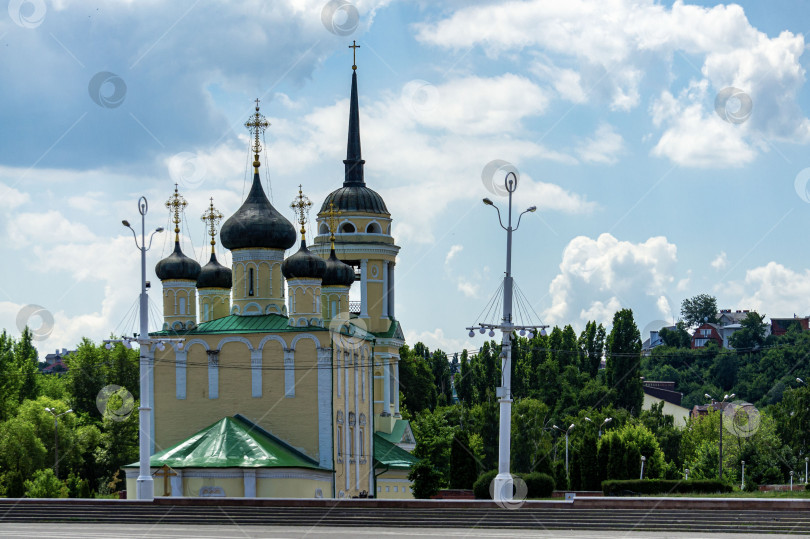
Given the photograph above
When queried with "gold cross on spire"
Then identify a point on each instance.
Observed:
(176, 204)
(332, 217)
(256, 125)
(354, 46)
(301, 205)
(212, 218)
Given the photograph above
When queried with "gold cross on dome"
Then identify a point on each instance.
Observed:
(212, 218)
(176, 204)
(256, 125)
(300, 206)
(354, 46)
(332, 217)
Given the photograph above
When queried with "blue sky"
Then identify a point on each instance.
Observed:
(647, 192)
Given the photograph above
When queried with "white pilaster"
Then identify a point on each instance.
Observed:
(250, 483)
(347, 457)
(289, 373)
(385, 288)
(180, 373)
(395, 359)
(386, 411)
(391, 302)
(325, 407)
(176, 483)
(213, 374)
(364, 288)
(356, 440)
(256, 373)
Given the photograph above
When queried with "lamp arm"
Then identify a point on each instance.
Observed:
(519, 218)
(150, 240)
(500, 221)
(134, 236)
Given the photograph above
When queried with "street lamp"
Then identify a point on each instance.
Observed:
(503, 481)
(145, 487)
(566, 447)
(725, 398)
(742, 484)
(605, 422)
(806, 460)
(643, 460)
(56, 437)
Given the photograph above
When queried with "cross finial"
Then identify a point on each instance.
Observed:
(332, 217)
(176, 204)
(300, 206)
(256, 125)
(354, 46)
(212, 218)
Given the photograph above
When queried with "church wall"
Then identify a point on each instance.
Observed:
(294, 419)
(292, 487)
(394, 484)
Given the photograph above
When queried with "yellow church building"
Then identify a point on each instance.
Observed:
(282, 387)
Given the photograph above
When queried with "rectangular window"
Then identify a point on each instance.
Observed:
(362, 443)
(250, 282)
(340, 441)
(396, 489)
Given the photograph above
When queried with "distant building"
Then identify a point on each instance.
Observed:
(54, 362)
(660, 391)
(706, 332)
(654, 340)
(779, 326)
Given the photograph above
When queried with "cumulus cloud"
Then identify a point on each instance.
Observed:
(603, 147)
(611, 45)
(599, 276)
(720, 262)
(773, 289)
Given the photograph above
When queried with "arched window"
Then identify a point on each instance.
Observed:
(373, 228)
(250, 282)
(183, 306)
(347, 228)
(324, 229)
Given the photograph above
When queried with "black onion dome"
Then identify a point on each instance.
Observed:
(355, 198)
(257, 224)
(303, 264)
(337, 273)
(177, 266)
(214, 275)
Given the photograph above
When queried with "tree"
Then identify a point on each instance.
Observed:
(21, 454)
(464, 466)
(464, 381)
(86, 377)
(44, 484)
(676, 338)
(623, 362)
(26, 359)
(416, 381)
(699, 309)
(426, 480)
(619, 452)
(530, 442)
(592, 344)
(751, 333)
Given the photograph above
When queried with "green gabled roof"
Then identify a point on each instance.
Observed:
(232, 442)
(394, 332)
(266, 323)
(391, 456)
(397, 432)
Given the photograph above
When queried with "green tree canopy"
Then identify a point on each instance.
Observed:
(699, 309)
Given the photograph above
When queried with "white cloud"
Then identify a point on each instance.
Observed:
(720, 262)
(775, 290)
(454, 250)
(46, 228)
(598, 277)
(10, 197)
(603, 147)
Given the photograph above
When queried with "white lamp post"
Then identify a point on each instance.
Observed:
(56, 438)
(566, 447)
(643, 460)
(503, 481)
(145, 487)
(742, 484)
(806, 459)
(720, 464)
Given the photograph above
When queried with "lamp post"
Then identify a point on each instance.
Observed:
(566, 447)
(503, 481)
(686, 474)
(605, 422)
(56, 438)
(722, 402)
(742, 484)
(145, 488)
(643, 460)
(806, 460)
(791, 480)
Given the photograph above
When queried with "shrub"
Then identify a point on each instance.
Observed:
(539, 485)
(481, 485)
(629, 487)
(426, 480)
(44, 484)
(751, 486)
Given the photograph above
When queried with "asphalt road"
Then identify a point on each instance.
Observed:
(164, 531)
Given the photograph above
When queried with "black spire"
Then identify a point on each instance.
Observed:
(354, 160)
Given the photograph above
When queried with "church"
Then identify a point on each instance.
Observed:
(282, 387)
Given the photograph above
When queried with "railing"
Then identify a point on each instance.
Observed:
(354, 307)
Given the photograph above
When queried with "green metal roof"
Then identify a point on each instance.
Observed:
(232, 442)
(391, 456)
(267, 323)
(397, 432)
(394, 332)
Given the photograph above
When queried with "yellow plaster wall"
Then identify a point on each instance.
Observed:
(276, 487)
(219, 304)
(234, 487)
(294, 420)
(388, 481)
